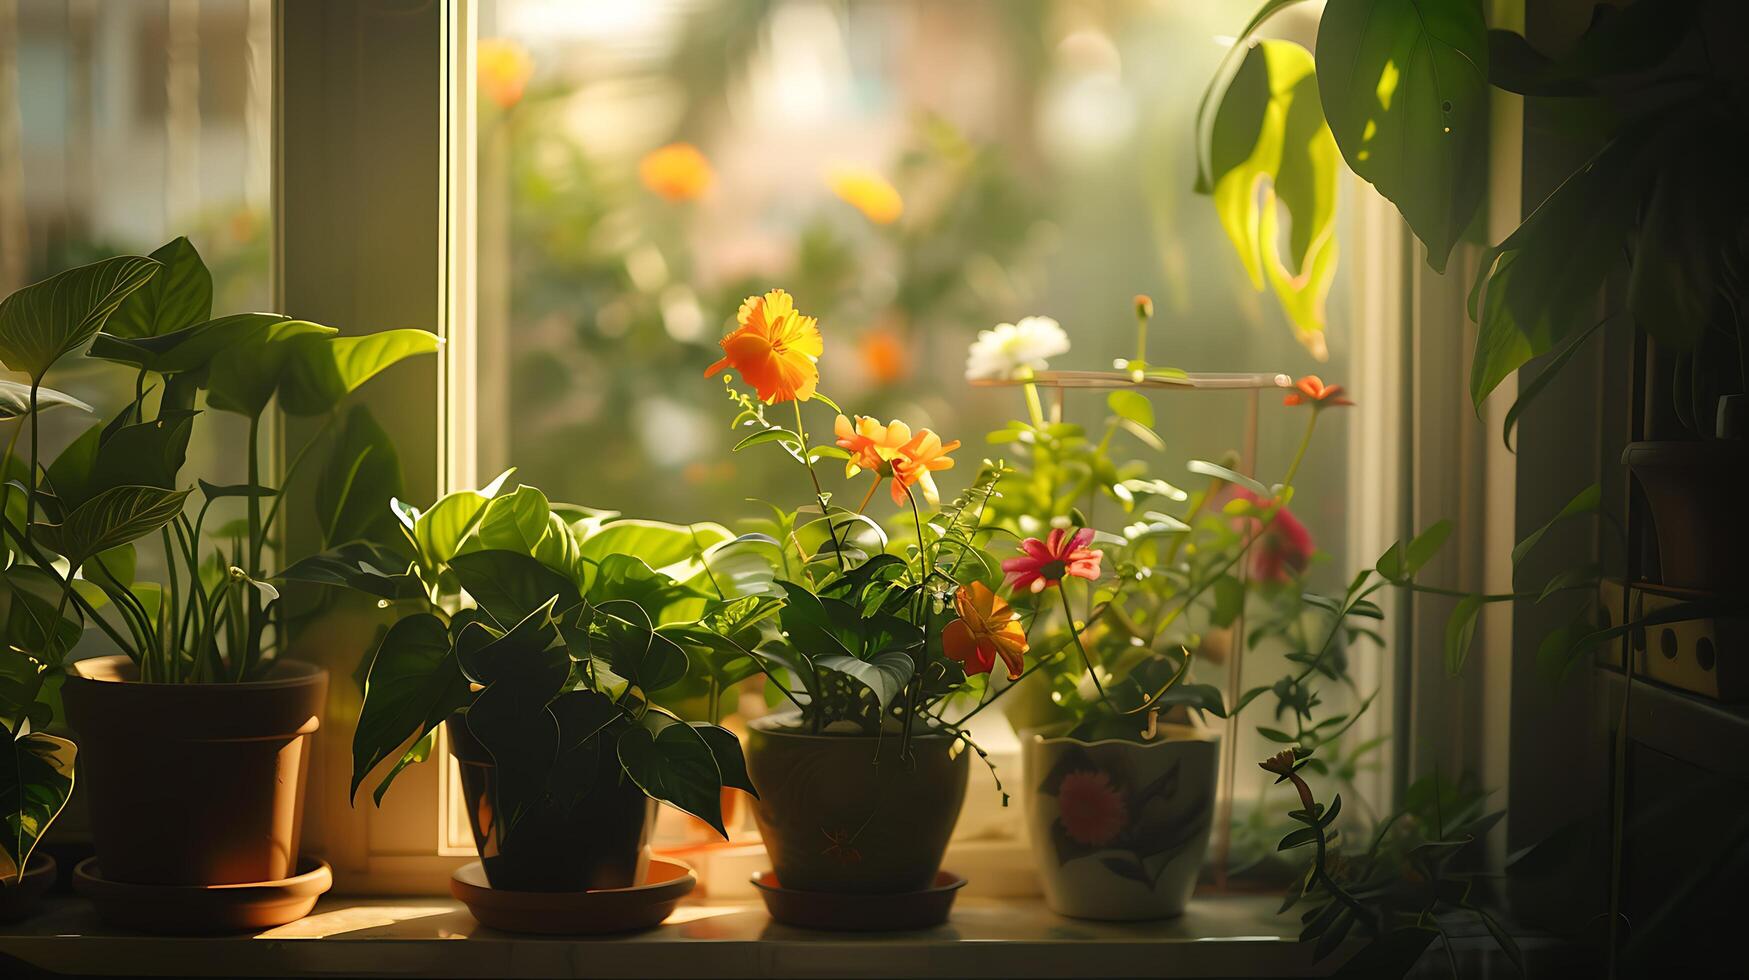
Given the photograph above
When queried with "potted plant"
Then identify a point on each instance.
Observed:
(196, 705)
(539, 635)
(874, 635)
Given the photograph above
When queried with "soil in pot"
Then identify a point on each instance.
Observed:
(194, 784)
(843, 813)
(603, 842)
(1120, 829)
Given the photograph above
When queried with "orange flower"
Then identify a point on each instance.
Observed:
(893, 451)
(775, 349)
(677, 172)
(987, 629)
(868, 192)
(504, 70)
(883, 353)
(1312, 390)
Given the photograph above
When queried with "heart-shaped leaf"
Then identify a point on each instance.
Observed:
(413, 684)
(635, 650)
(46, 320)
(243, 376)
(515, 521)
(180, 294)
(36, 778)
(509, 585)
(441, 530)
(320, 373)
(670, 761)
(726, 750)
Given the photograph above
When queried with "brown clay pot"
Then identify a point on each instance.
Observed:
(603, 842)
(1694, 490)
(21, 897)
(843, 813)
(194, 784)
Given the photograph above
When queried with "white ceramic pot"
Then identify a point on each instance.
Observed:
(1119, 829)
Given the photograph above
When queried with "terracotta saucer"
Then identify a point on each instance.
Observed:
(191, 909)
(586, 913)
(838, 912)
(23, 897)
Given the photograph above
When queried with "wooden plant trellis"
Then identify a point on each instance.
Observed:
(1253, 384)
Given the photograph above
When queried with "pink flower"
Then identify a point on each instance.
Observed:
(1284, 550)
(1090, 808)
(1045, 563)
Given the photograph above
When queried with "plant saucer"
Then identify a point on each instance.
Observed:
(193, 909)
(848, 912)
(585, 913)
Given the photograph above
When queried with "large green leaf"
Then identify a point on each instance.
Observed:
(29, 598)
(111, 519)
(1542, 282)
(628, 578)
(509, 585)
(361, 476)
(320, 373)
(655, 543)
(635, 650)
(1269, 147)
(1405, 89)
(523, 671)
(180, 294)
(1241, 43)
(414, 684)
(104, 458)
(362, 566)
(244, 375)
(515, 521)
(189, 349)
(36, 778)
(440, 531)
(884, 674)
(46, 320)
(670, 761)
(15, 400)
(726, 750)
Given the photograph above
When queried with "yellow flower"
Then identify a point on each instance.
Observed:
(775, 349)
(868, 192)
(677, 172)
(892, 450)
(504, 70)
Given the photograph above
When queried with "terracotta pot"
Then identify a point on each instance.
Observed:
(23, 896)
(1694, 490)
(601, 843)
(194, 784)
(843, 813)
(1119, 829)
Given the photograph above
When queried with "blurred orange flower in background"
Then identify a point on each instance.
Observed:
(677, 172)
(504, 70)
(883, 354)
(775, 348)
(868, 192)
(987, 629)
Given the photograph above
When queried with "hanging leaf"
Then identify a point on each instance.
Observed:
(111, 519)
(1405, 88)
(36, 778)
(1241, 43)
(15, 400)
(414, 684)
(46, 320)
(1270, 149)
(319, 373)
(671, 762)
(244, 375)
(180, 294)
(1460, 631)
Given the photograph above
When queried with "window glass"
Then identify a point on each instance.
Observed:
(912, 172)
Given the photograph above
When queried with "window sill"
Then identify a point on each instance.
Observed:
(1216, 937)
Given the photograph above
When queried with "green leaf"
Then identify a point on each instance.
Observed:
(1695, 204)
(884, 674)
(515, 521)
(726, 750)
(1270, 146)
(635, 650)
(46, 320)
(1529, 390)
(670, 761)
(319, 373)
(1460, 631)
(15, 400)
(111, 519)
(1508, 945)
(361, 475)
(510, 585)
(657, 544)
(1405, 89)
(441, 530)
(1203, 467)
(244, 375)
(1241, 43)
(36, 778)
(1584, 502)
(1400, 564)
(362, 566)
(179, 295)
(1229, 600)
(414, 683)
(190, 349)
(1132, 405)
(779, 434)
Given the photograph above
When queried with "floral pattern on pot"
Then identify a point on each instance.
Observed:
(1120, 828)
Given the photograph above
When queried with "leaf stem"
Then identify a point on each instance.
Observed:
(819, 494)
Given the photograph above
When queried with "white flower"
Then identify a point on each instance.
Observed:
(1004, 351)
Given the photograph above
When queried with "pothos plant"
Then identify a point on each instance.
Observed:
(72, 523)
(874, 633)
(555, 630)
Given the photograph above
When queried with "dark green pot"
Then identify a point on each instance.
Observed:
(842, 813)
(603, 842)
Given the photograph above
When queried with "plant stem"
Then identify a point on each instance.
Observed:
(1033, 406)
(819, 494)
(1293, 468)
(253, 623)
(30, 482)
(291, 471)
(1075, 634)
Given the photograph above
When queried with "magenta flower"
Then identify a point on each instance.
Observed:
(1045, 563)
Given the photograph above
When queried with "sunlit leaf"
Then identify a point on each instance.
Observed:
(46, 320)
(180, 294)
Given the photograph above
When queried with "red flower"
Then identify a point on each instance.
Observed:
(1091, 809)
(1312, 390)
(1285, 548)
(1045, 563)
